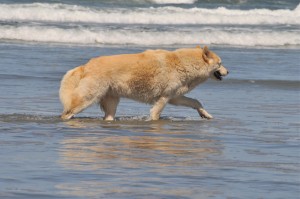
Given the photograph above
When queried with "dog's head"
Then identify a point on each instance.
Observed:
(215, 67)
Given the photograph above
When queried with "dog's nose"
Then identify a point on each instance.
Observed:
(227, 72)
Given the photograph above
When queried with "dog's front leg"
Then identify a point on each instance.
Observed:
(158, 107)
(193, 103)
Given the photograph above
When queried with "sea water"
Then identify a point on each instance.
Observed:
(249, 150)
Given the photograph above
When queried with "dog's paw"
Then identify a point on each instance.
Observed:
(108, 118)
(204, 114)
(66, 116)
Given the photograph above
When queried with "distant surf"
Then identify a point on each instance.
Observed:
(153, 15)
(163, 25)
(89, 35)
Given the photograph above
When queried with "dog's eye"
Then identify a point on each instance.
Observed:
(219, 64)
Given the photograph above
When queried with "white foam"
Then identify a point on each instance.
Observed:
(160, 15)
(94, 32)
(125, 36)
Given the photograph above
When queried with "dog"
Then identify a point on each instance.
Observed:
(155, 77)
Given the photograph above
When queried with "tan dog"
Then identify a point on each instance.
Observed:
(156, 77)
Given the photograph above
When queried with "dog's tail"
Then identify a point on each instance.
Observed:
(68, 84)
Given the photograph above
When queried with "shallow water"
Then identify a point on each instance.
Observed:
(86, 158)
(249, 150)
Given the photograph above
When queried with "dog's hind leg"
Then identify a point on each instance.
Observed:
(87, 93)
(158, 107)
(109, 105)
(193, 103)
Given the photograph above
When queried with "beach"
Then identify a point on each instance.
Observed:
(249, 150)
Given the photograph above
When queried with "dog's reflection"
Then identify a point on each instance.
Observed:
(115, 158)
(99, 150)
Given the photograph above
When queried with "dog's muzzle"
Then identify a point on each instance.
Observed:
(220, 73)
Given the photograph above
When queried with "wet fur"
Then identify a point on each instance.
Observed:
(156, 77)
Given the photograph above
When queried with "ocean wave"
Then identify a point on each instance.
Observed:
(159, 15)
(81, 35)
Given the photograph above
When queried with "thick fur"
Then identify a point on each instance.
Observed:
(156, 77)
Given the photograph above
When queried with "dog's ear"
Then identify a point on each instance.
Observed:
(205, 55)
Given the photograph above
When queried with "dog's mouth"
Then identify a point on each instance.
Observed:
(218, 75)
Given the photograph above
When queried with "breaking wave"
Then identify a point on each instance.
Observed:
(165, 25)
(160, 15)
(150, 37)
